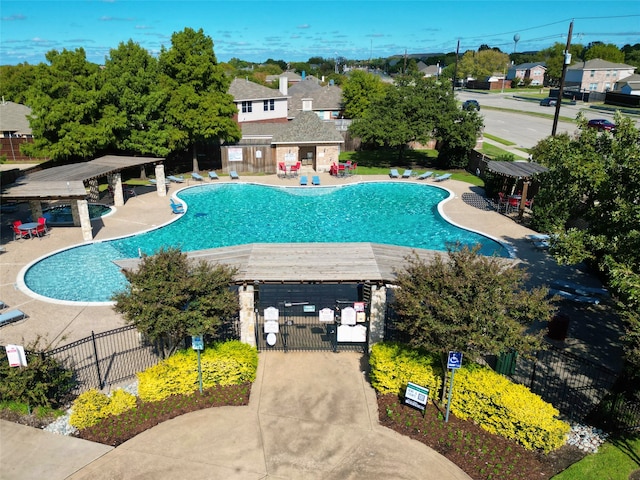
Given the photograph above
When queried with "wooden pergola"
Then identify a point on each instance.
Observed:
(520, 171)
(70, 182)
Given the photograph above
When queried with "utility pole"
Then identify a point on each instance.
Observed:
(455, 71)
(565, 63)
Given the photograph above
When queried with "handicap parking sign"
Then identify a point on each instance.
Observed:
(454, 360)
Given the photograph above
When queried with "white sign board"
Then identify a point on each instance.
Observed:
(271, 314)
(16, 356)
(235, 154)
(416, 396)
(348, 333)
(348, 316)
(326, 315)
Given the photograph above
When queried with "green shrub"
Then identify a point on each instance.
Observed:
(92, 406)
(395, 364)
(44, 382)
(228, 363)
(507, 409)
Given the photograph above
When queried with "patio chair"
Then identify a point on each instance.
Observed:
(17, 233)
(407, 173)
(393, 173)
(303, 180)
(175, 179)
(177, 207)
(196, 176)
(213, 175)
(42, 229)
(11, 316)
(425, 175)
(234, 175)
(315, 180)
(440, 178)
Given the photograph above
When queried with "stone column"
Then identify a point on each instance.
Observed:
(80, 211)
(161, 187)
(377, 314)
(116, 185)
(36, 209)
(247, 315)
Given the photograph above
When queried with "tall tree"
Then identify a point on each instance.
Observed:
(468, 303)
(131, 87)
(15, 81)
(70, 119)
(609, 52)
(360, 91)
(632, 54)
(597, 214)
(482, 64)
(199, 107)
(172, 297)
(554, 58)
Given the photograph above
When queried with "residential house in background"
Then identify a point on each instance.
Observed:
(310, 95)
(14, 130)
(257, 103)
(534, 71)
(630, 85)
(428, 70)
(597, 75)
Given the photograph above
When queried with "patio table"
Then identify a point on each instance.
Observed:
(29, 227)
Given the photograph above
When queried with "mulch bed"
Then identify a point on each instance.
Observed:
(480, 454)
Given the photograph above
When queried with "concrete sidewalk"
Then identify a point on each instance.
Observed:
(310, 416)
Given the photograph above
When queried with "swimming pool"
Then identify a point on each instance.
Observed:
(61, 214)
(227, 214)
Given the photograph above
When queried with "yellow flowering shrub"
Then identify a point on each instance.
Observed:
(394, 364)
(92, 406)
(228, 363)
(507, 409)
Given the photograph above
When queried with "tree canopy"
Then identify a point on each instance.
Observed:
(468, 303)
(360, 91)
(417, 109)
(483, 63)
(171, 297)
(590, 198)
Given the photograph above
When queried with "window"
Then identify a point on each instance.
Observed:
(593, 87)
(608, 73)
(269, 105)
(607, 87)
(615, 73)
(593, 73)
(246, 107)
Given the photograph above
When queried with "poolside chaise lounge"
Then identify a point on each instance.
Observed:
(175, 179)
(303, 180)
(197, 176)
(153, 181)
(2, 305)
(176, 207)
(440, 178)
(11, 316)
(234, 175)
(539, 237)
(393, 173)
(213, 175)
(425, 175)
(579, 289)
(407, 173)
(315, 180)
(574, 297)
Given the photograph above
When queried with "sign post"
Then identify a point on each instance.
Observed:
(454, 362)
(197, 343)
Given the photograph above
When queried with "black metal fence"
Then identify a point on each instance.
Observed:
(108, 358)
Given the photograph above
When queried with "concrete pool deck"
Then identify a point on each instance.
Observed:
(311, 415)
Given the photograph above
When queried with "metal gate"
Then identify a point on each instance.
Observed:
(299, 326)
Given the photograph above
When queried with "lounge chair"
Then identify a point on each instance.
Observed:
(315, 180)
(303, 180)
(538, 237)
(440, 178)
(234, 175)
(153, 181)
(175, 179)
(407, 173)
(574, 297)
(393, 173)
(177, 207)
(196, 176)
(425, 175)
(579, 289)
(11, 316)
(2, 305)
(213, 176)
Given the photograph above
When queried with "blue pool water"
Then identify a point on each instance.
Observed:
(228, 214)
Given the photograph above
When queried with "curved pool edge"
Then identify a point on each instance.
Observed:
(22, 286)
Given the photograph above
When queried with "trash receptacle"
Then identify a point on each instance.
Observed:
(558, 327)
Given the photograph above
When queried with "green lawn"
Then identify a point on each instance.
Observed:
(615, 460)
(499, 140)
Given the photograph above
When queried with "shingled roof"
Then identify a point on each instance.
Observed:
(323, 98)
(598, 64)
(246, 90)
(13, 118)
(308, 128)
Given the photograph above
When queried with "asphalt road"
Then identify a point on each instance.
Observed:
(526, 130)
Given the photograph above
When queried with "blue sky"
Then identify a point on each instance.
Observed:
(297, 30)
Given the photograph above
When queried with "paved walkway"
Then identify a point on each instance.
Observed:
(310, 416)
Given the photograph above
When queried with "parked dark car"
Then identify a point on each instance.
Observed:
(601, 124)
(471, 105)
(549, 102)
